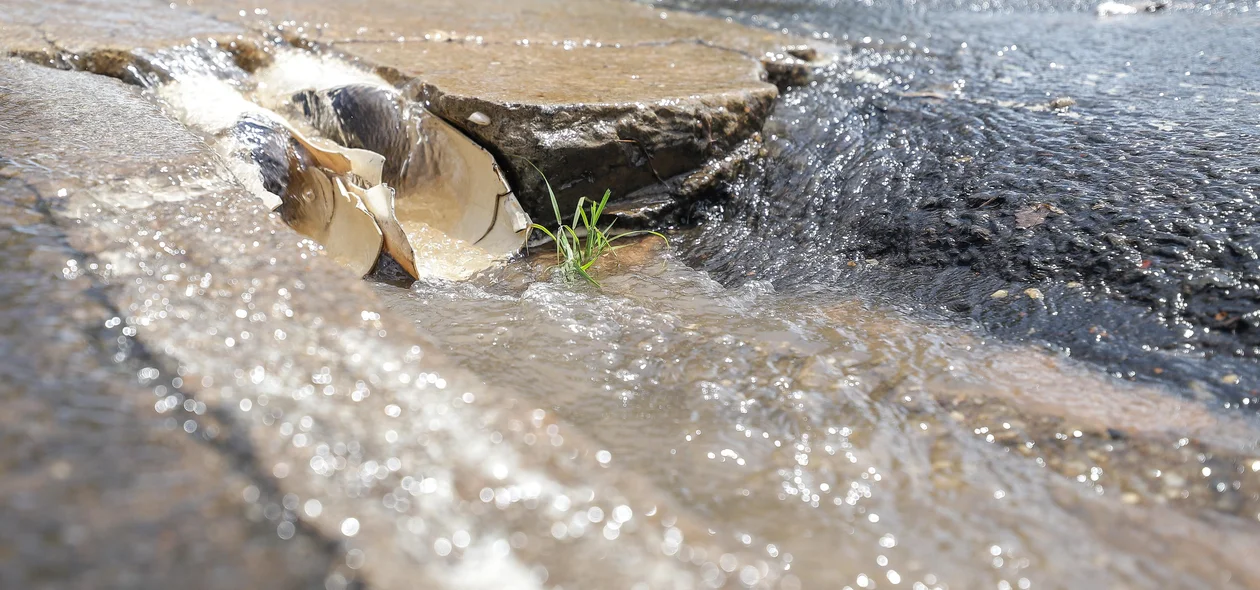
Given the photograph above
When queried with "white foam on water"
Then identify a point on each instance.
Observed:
(209, 104)
(1115, 8)
(214, 106)
(482, 567)
(294, 71)
(440, 255)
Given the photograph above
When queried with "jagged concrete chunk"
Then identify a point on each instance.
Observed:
(443, 179)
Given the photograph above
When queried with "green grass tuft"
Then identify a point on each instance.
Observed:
(575, 254)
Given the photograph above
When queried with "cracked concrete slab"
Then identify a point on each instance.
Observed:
(599, 94)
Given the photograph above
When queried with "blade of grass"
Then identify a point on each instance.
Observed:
(575, 254)
(555, 205)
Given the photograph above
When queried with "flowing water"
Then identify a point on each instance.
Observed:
(776, 398)
(871, 444)
(937, 147)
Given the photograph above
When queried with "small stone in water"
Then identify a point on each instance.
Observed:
(1033, 293)
(1062, 102)
(1230, 379)
(1000, 294)
(479, 118)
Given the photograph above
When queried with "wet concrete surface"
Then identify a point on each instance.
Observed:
(285, 363)
(98, 489)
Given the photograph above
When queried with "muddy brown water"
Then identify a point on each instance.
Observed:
(193, 395)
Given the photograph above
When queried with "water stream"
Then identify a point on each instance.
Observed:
(802, 391)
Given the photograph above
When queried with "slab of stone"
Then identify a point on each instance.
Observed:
(620, 119)
(599, 94)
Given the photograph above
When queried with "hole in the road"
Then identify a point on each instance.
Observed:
(354, 165)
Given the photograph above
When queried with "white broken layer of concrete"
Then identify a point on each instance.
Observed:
(414, 468)
(443, 182)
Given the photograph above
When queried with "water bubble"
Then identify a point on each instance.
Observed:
(285, 530)
(749, 575)
(355, 559)
(461, 539)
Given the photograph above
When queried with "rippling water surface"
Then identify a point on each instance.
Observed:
(829, 385)
(869, 444)
(935, 148)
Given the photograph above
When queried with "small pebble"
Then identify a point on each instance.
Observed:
(1062, 102)
(479, 118)
(1230, 379)
(1074, 285)
(1000, 294)
(1033, 293)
